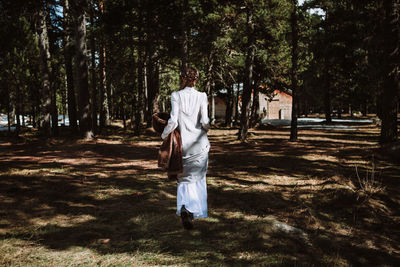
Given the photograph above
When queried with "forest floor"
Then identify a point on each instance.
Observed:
(70, 202)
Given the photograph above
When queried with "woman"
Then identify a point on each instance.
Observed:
(189, 114)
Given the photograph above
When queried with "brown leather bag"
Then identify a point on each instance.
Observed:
(170, 152)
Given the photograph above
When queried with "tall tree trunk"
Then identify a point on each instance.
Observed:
(68, 53)
(93, 70)
(153, 73)
(327, 92)
(64, 100)
(36, 104)
(209, 87)
(33, 114)
(110, 93)
(44, 70)
(53, 71)
(54, 111)
(327, 96)
(104, 109)
(85, 121)
(246, 103)
(212, 106)
(21, 108)
(123, 111)
(391, 83)
(237, 104)
(17, 103)
(388, 102)
(254, 117)
(295, 38)
(134, 90)
(229, 107)
(9, 113)
(139, 113)
(153, 77)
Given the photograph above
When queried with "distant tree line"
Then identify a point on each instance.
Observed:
(101, 60)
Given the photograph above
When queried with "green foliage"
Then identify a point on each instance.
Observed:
(18, 61)
(339, 49)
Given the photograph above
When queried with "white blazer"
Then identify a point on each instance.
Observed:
(189, 114)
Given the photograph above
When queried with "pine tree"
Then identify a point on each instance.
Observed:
(68, 54)
(294, 71)
(45, 68)
(85, 121)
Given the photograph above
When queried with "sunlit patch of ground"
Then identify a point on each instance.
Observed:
(73, 202)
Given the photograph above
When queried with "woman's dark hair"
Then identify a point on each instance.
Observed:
(190, 76)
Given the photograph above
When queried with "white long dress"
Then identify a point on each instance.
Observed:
(189, 114)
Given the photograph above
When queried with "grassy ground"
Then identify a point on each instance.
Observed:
(66, 202)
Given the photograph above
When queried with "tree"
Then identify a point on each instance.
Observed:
(68, 54)
(248, 82)
(93, 73)
(85, 121)
(390, 65)
(45, 68)
(104, 109)
(294, 70)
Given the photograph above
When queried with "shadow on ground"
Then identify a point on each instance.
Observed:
(110, 197)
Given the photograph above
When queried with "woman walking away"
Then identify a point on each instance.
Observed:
(189, 115)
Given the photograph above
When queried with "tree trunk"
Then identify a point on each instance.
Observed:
(139, 114)
(153, 78)
(254, 118)
(68, 53)
(36, 106)
(104, 108)
(391, 84)
(93, 72)
(123, 111)
(64, 100)
(212, 106)
(134, 90)
(85, 121)
(17, 104)
(246, 103)
(8, 114)
(53, 72)
(389, 132)
(33, 115)
(237, 104)
(153, 73)
(21, 108)
(209, 87)
(326, 75)
(327, 97)
(44, 70)
(54, 111)
(294, 26)
(229, 107)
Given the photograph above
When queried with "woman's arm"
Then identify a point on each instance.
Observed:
(205, 121)
(173, 120)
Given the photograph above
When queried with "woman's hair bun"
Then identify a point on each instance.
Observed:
(190, 74)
